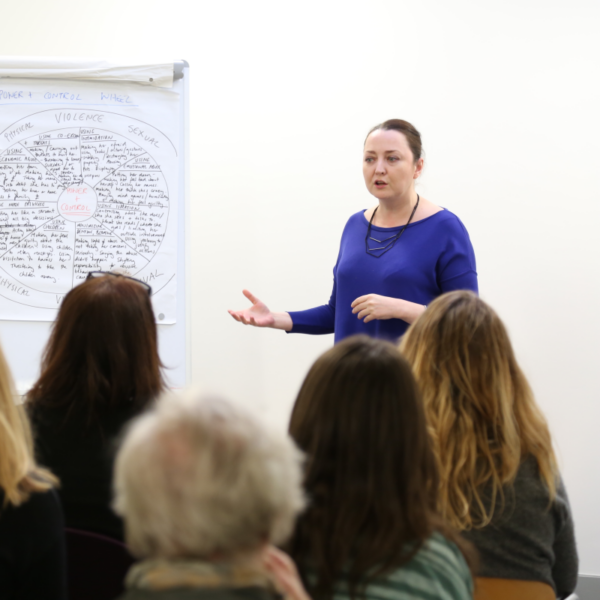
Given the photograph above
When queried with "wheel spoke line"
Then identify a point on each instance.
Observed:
(117, 236)
(43, 165)
(120, 166)
(80, 158)
(30, 233)
(74, 251)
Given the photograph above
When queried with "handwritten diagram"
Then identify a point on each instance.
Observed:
(79, 191)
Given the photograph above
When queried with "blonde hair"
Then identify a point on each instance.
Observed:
(481, 413)
(19, 475)
(196, 477)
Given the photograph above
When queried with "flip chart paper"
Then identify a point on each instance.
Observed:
(88, 181)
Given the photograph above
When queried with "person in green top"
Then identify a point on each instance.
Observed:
(371, 530)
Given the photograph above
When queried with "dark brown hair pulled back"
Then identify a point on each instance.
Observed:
(370, 473)
(102, 351)
(410, 132)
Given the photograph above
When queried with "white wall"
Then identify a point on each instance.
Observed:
(506, 96)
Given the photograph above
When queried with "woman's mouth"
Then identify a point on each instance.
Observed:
(380, 184)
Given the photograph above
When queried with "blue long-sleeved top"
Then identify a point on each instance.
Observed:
(433, 256)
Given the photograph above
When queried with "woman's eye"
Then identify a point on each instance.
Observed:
(368, 159)
(393, 158)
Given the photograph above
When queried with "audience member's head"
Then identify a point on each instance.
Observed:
(102, 352)
(480, 410)
(19, 475)
(370, 473)
(197, 478)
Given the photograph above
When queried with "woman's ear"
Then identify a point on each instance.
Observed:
(418, 168)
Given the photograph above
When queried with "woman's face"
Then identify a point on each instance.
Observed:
(389, 167)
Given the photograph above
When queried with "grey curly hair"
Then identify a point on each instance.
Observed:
(197, 477)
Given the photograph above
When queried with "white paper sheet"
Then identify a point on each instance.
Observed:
(154, 74)
(88, 181)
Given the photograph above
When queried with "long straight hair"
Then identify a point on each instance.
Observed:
(102, 352)
(19, 475)
(370, 474)
(481, 412)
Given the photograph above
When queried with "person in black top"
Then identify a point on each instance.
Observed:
(500, 484)
(100, 368)
(32, 542)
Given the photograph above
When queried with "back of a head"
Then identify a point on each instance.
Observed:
(197, 478)
(370, 473)
(102, 350)
(19, 475)
(479, 407)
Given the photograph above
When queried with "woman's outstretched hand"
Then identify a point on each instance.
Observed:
(284, 574)
(258, 314)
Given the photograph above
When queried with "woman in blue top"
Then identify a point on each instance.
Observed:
(394, 258)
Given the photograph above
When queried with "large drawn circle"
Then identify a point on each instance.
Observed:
(77, 203)
(46, 221)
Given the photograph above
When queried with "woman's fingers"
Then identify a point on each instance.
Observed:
(250, 296)
(359, 300)
(275, 556)
(361, 303)
(285, 574)
(242, 316)
(248, 319)
(358, 308)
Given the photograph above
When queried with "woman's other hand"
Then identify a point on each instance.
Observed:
(374, 306)
(259, 315)
(284, 574)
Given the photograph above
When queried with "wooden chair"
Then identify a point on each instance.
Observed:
(487, 588)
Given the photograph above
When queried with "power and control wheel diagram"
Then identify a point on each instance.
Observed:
(76, 199)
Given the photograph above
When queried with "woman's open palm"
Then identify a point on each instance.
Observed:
(258, 314)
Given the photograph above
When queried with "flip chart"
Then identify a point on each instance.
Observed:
(89, 174)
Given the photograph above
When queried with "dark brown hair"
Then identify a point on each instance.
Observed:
(102, 351)
(370, 475)
(409, 131)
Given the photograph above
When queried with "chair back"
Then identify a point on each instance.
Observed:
(97, 565)
(488, 588)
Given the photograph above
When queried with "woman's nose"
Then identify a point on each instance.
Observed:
(380, 166)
